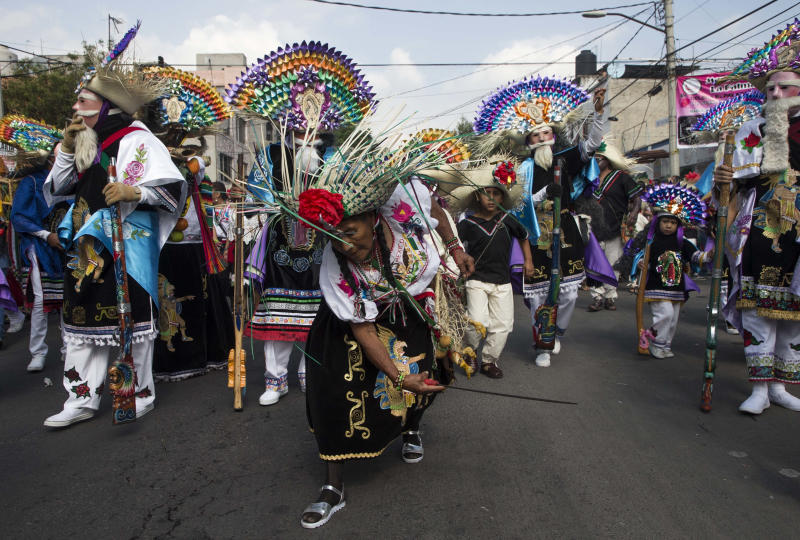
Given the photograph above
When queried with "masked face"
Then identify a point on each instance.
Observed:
(541, 135)
(88, 106)
(780, 87)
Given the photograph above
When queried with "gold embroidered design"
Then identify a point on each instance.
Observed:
(170, 321)
(84, 260)
(780, 214)
(78, 315)
(389, 396)
(770, 276)
(358, 415)
(355, 360)
(575, 266)
(105, 312)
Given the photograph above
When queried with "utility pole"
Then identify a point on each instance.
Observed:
(669, 27)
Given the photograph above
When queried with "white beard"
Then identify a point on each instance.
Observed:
(307, 160)
(776, 134)
(543, 155)
(85, 148)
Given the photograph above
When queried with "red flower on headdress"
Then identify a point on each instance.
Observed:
(692, 176)
(321, 207)
(504, 173)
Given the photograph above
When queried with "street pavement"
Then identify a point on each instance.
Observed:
(635, 458)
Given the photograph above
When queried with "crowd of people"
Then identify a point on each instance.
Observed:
(389, 262)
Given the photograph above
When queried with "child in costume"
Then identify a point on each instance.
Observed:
(488, 234)
(669, 256)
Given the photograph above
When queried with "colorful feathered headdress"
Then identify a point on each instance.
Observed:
(731, 113)
(304, 87)
(681, 201)
(781, 53)
(450, 146)
(189, 101)
(528, 104)
(124, 86)
(28, 136)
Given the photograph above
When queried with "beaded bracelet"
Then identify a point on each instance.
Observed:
(399, 382)
(450, 244)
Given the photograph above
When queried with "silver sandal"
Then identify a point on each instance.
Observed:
(409, 448)
(324, 509)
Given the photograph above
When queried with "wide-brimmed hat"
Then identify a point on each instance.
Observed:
(781, 53)
(459, 186)
(615, 158)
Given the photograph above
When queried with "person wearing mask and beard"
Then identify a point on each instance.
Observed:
(150, 192)
(283, 265)
(535, 114)
(762, 241)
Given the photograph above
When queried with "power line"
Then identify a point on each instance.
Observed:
(723, 27)
(34, 54)
(468, 14)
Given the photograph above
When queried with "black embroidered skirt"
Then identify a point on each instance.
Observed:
(351, 409)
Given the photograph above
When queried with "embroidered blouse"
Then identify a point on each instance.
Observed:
(413, 258)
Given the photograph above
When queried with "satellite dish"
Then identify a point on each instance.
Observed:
(615, 70)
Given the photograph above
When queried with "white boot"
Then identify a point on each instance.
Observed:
(36, 363)
(69, 416)
(542, 359)
(779, 396)
(557, 346)
(270, 397)
(758, 400)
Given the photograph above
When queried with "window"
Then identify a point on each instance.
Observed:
(224, 168)
(241, 131)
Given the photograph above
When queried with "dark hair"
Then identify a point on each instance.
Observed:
(219, 186)
(386, 268)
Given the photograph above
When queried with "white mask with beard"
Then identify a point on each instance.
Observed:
(543, 153)
(86, 144)
(776, 129)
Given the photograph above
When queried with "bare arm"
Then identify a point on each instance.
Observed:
(376, 352)
(526, 254)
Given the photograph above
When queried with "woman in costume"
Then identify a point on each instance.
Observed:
(195, 329)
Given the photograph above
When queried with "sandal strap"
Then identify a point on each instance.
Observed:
(322, 508)
(409, 448)
(333, 489)
(412, 432)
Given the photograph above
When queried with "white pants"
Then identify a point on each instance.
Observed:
(566, 307)
(613, 250)
(86, 366)
(276, 358)
(493, 306)
(768, 348)
(37, 345)
(665, 322)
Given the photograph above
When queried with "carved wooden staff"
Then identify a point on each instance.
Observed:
(237, 355)
(547, 314)
(121, 374)
(716, 282)
(642, 345)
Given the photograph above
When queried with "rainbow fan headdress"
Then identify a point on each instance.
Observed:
(304, 87)
(731, 113)
(446, 143)
(781, 53)
(530, 103)
(681, 201)
(27, 135)
(189, 100)
(124, 86)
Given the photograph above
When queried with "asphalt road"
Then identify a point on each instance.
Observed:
(634, 459)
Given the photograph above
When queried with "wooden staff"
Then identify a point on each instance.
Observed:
(710, 364)
(547, 314)
(640, 329)
(121, 374)
(237, 355)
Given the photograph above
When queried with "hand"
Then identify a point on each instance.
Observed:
(236, 193)
(599, 100)
(640, 264)
(117, 191)
(415, 382)
(554, 190)
(723, 175)
(71, 133)
(53, 242)
(529, 269)
(465, 263)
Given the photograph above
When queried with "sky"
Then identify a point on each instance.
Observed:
(435, 96)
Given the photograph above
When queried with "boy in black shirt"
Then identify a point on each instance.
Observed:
(487, 235)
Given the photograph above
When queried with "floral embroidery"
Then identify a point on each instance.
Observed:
(750, 142)
(402, 212)
(72, 375)
(749, 339)
(99, 389)
(669, 268)
(348, 290)
(82, 390)
(135, 169)
(144, 393)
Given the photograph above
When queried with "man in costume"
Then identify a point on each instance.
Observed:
(532, 111)
(326, 92)
(617, 194)
(39, 254)
(762, 242)
(150, 192)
